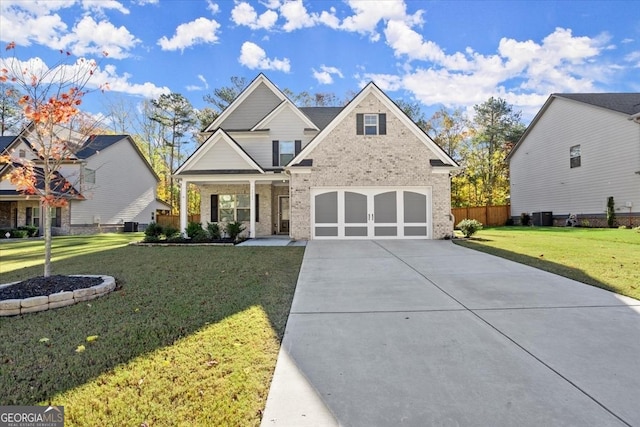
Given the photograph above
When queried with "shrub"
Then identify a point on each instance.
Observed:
(195, 231)
(213, 228)
(151, 239)
(469, 227)
(153, 230)
(611, 212)
(525, 219)
(509, 222)
(19, 234)
(170, 232)
(32, 230)
(233, 229)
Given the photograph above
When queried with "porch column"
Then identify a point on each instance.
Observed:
(252, 208)
(183, 207)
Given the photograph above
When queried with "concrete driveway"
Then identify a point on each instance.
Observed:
(427, 333)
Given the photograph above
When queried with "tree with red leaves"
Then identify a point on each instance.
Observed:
(56, 130)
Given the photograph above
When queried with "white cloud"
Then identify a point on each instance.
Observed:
(204, 85)
(634, 58)
(244, 14)
(325, 75)
(368, 14)
(35, 22)
(212, 7)
(201, 30)
(297, 16)
(78, 71)
(254, 57)
(100, 5)
(92, 38)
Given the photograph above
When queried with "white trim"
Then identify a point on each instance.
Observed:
(242, 97)
(278, 110)
(371, 192)
(209, 144)
(371, 88)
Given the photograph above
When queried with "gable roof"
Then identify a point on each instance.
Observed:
(60, 186)
(371, 88)
(217, 137)
(626, 103)
(260, 79)
(96, 143)
(284, 104)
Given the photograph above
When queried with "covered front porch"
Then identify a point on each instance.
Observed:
(259, 201)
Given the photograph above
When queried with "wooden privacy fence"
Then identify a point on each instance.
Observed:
(487, 215)
(174, 220)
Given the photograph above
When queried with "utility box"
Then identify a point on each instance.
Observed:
(542, 219)
(130, 227)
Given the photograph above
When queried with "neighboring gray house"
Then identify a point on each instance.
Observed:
(108, 183)
(579, 150)
(359, 172)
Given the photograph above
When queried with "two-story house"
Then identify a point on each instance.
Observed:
(107, 183)
(579, 150)
(362, 171)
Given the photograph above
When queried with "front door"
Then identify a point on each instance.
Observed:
(283, 214)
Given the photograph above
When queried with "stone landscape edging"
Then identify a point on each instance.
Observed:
(14, 307)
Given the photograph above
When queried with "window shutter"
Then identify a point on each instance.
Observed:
(298, 146)
(257, 208)
(382, 124)
(29, 215)
(214, 208)
(58, 218)
(359, 124)
(276, 153)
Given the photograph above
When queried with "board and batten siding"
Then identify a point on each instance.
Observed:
(259, 103)
(124, 189)
(540, 173)
(285, 126)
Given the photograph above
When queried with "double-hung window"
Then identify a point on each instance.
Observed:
(574, 156)
(33, 216)
(233, 207)
(370, 124)
(287, 152)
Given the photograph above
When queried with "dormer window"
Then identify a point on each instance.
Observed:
(371, 124)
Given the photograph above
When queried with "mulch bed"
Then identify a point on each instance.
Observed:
(42, 286)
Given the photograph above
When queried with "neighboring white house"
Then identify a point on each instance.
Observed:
(579, 150)
(358, 172)
(108, 183)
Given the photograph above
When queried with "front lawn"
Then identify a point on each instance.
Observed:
(190, 338)
(603, 257)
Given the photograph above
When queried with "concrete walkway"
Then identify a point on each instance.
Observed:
(427, 333)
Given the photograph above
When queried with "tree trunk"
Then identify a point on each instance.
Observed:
(46, 216)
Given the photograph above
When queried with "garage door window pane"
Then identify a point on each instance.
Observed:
(355, 208)
(327, 231)
(355, 231)
(415, 207)
(326, 208)
(386, 231)
(415, 231)
(385, 207)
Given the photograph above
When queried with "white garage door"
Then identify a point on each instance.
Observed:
(371, 213)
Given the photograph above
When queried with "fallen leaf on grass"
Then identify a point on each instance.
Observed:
(92, 338)
(80, 349)
(45, 339)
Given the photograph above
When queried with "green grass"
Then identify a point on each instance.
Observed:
(607, 258)
(190, 338)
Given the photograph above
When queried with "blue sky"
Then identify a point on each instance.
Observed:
(451, 53)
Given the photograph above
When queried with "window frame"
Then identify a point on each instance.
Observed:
(575, 160)
(226, 206)
(367, 126)
(289, 152)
